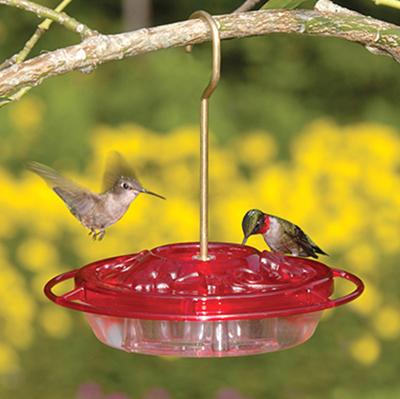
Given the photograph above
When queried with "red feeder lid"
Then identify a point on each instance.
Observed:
(169, 283)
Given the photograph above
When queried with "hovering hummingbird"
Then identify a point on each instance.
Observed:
(97, 211)
(280, 234)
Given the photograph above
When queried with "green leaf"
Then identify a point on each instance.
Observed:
(5, 99)
(287, 4)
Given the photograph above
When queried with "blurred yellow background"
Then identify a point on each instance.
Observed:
(340, 185)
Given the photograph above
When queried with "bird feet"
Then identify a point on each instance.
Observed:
(96, 235)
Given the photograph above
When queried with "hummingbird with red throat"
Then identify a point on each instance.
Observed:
(97, 211)
(281, 235)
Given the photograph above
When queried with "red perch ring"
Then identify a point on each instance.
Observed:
(167, 302)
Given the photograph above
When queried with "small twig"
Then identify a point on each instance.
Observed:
(15, 97)
(41, 29)
(8, 62)
(5, 100)
(247, 5)
(23, 54)
(59, 17)
(389, 3)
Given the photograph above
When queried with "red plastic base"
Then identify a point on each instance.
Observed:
(166, 301)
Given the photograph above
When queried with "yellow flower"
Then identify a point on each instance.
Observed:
(55, 321)
(365, 350)
(362, 258)
(27, 114)
(272, 187)
(7, 228)
(41, 278)
(316, 147)
(387, 235)
(8, 359)
(37, 255)
(18, 333)
(234, 205)
(16, 310)
(255, 149)
(180, 144)
(180, 221)
(369, 301)
(377, 142)
(387, 322)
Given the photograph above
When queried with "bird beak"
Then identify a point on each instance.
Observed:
(245, 240)
(152, 193)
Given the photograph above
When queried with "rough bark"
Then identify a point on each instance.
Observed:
(377, 36)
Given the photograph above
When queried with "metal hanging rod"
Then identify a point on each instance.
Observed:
(215, 75)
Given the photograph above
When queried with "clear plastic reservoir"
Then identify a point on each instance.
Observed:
(204, 338)
(168, 302)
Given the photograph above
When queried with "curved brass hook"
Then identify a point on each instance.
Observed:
(216, 72)
(216, 51)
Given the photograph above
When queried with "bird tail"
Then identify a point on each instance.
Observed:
(49, 175)
(318, 250)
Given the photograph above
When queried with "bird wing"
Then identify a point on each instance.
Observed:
(78, 199)
(303, 240)
(116, 167)
(80, 204)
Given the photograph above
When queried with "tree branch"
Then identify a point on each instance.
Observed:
(44, 12)
(377, 36)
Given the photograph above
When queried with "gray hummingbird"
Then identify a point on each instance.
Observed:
(97, 211)
(281, 235)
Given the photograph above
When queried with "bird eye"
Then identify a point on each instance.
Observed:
(258, 225)
(125, 186)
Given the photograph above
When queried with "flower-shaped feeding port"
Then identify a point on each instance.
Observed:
(167, 302)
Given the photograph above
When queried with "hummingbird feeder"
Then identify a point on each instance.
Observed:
(203, 299)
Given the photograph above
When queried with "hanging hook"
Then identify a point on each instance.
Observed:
(216, 72)
(216, 51)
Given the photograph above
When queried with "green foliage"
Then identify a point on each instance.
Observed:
(288, 4)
